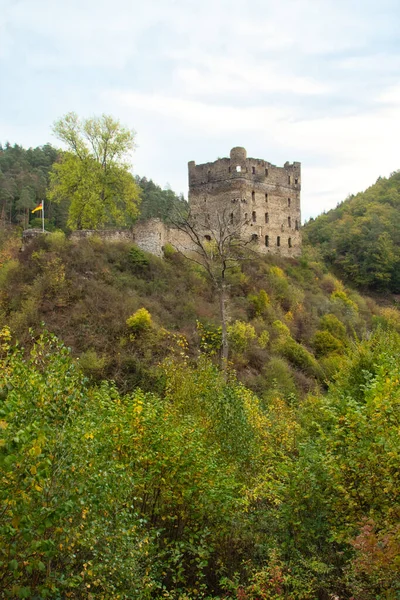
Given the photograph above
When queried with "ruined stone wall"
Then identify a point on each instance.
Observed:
(263, 198)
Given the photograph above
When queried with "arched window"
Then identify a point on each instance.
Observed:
(208, 238)
(289, 222)
(254, 216)
(238, 169)
(253, 196)
(267, 240)
(289, 242)
(266, 217)
(278, 240)
(296, 225)
(289, 179)
(245, 217)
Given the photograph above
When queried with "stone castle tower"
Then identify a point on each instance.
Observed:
(262, 199)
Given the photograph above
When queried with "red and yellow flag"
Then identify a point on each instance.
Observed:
(39, 207)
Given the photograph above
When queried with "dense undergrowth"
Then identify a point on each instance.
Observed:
(140, 471)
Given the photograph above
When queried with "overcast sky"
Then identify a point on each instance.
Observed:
(315, 81)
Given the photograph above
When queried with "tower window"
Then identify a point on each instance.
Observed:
(253, 170)
(253, 196)
(245, 217)
(266, 197)
(208, 238)
(288, 202)
(278, 240)
(296, 225)
(229, 169)
(238, 169)
(289, 180)
(231, 218)
(296, 181)
(267, 240)
(254, 216)
(254, 237)
(266, 172)
(266, 217)
(289, 242)
(289, 222)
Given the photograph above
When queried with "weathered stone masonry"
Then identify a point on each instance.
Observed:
(264, 198)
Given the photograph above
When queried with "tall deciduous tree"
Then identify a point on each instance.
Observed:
(94, 172)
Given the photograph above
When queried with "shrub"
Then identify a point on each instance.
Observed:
(91, 363)
(280, 329)
(340, 296)
(325, 343)
(210, 337)
(259, 302)
(56, 241)
(138, 258)
(332, 324)
(140, 321)
(169, 250)
(263, 339)
(299, 356)
(240, 334)
(278, 377)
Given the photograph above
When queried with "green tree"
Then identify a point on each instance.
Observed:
(94, 172)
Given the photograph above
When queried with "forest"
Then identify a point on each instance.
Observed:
(132, 465)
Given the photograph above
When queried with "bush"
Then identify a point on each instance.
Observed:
(259, 302)
(91, 363)
(240, 335)
(325, 343)
(168, 250)
(299, 356)
(332, 324)
(138, 258)
(263, 339)
(140, 321)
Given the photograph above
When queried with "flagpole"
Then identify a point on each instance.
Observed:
(43, 215)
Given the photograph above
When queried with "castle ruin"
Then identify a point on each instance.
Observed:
(264, 200)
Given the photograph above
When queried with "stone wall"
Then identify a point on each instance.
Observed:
(262, 198)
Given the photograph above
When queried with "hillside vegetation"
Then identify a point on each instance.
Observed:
(134, 462)
(361, 237)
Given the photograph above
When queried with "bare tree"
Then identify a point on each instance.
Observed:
(217, 245)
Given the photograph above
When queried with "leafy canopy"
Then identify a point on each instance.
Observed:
(94, 172)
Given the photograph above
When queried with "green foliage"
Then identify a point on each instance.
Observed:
(140, 321)
(159, 203)
(260, 302)
(240, 335)
(138, 258)
(169, 251)
(92, 175)
(361, 237)
(325, 343)
(210, 337)
(24, 176)
(333, 325)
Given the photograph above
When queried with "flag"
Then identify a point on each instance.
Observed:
(39, 207)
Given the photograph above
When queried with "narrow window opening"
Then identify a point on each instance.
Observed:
(267, 240)
(278, 240)
(238, 169)
(266, 172)
(266, 197)
(253, 196)
(231, 218)
(254, 237)
(288, 202)
(296, 225)
(267, 217)
(289, 180)
(289, 222)
(296, 181)
(245, 217)
(229, 169)
(254, 216)
(253, 169)
(289, 242)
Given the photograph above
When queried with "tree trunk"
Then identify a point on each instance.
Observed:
(224, 319)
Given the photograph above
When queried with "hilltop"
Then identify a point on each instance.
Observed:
(360, 238)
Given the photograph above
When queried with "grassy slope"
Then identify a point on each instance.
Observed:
(84, 294)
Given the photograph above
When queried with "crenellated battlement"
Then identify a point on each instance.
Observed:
(269, 197)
